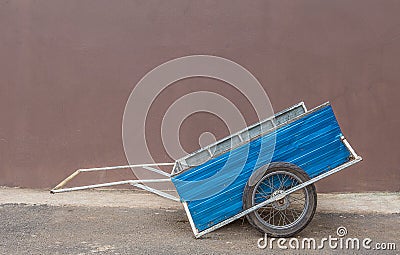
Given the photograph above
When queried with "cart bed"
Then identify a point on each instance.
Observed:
(311, 140)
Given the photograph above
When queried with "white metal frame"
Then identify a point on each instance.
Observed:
(137, 183)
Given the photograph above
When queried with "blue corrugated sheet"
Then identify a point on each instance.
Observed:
(312, 142)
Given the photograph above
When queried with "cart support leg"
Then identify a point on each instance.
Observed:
(157, 192)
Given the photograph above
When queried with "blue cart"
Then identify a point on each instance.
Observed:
(265, 173)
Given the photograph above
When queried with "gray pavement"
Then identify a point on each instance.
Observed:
(158, 226)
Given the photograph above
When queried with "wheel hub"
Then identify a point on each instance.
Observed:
(280, 204)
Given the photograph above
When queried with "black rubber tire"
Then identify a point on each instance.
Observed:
(310, 210)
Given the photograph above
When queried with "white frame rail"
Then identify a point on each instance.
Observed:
(137, 183)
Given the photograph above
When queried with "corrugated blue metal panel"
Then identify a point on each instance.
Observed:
(312, 142)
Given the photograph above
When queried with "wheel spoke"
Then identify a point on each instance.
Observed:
(295, 212)
(283, 182)
(283, 217)
(280, 181)
(293, 216)
(268, 214)
(271, 186)
(294, 183)
(284, 214)
(280, 217)
(272, 216)
(263, 190)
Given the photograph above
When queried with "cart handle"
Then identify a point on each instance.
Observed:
(59, 187)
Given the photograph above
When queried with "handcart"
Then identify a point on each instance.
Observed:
(271, 167)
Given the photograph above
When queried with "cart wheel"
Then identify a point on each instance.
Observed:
(287, 216)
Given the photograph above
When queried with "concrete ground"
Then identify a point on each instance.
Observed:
(135, 222)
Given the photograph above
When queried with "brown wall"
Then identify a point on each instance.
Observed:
(68, 67)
